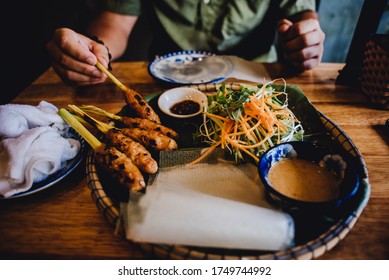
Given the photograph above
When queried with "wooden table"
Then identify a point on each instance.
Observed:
(63, 222)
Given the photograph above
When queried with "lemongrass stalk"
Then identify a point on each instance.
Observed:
(112, 77)
(82, 121)
(77, 126)
(103, 127)
(99, 111)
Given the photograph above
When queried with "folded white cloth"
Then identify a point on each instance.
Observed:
(17, 118)
(31, 157)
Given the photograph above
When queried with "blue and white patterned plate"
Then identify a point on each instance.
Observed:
(191, 67)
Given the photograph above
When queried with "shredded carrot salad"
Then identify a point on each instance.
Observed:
(248, 121)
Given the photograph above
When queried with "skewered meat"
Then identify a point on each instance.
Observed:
(132, 98)
(152, 139)
(148, 125)
(140, 105)
(139, 155)
(120, 167)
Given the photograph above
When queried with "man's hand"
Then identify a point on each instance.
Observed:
(301, 42)
(74, 57)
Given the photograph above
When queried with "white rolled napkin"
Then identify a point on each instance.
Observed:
(18, 118)
(31, 157)
(207, 205)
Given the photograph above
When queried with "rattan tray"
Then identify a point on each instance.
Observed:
(309, 248)
(374, 77)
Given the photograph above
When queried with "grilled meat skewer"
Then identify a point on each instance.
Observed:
(140, 156)
(120, 167)
(132, 122)
(134, 150)
(123, 170)
(148, 125)
(140, 105)
(151, 139)
(136, 101)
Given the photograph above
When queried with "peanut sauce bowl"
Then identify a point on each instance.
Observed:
(182, 102)
(304, 176)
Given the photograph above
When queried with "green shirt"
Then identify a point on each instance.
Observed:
(242, 27)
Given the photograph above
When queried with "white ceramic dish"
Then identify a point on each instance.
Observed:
(176, 95)
(191, 67)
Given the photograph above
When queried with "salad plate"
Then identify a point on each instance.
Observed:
(314, 235)
(191, 67)
(54, 178)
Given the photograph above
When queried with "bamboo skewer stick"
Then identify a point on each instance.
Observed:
(111, 76)
(103, 127)
(77, 126)
(135, 100)
(99, 111)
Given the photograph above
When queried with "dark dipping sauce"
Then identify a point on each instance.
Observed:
(186, 107)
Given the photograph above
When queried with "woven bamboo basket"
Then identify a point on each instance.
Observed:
(375, 71)
(311, 248)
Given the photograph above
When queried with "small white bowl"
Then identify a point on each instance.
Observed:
(174, 96)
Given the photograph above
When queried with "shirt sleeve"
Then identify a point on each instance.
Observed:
(292, 7)
(124, 7)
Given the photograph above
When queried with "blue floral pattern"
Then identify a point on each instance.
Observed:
(275, 155)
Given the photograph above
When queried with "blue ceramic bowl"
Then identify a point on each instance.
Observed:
(339, 163)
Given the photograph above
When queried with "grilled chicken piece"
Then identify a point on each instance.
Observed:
(132, 98)
(140, 105)
(147, 125)
(120, 167)
(139, 155)
(152, 139)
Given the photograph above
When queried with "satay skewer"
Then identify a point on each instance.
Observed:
(131, 122)
(135, 100)
(139, 155)
(111, 159)
(150, 139)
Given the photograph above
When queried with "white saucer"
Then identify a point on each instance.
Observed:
(191, 67)
(175, 95)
